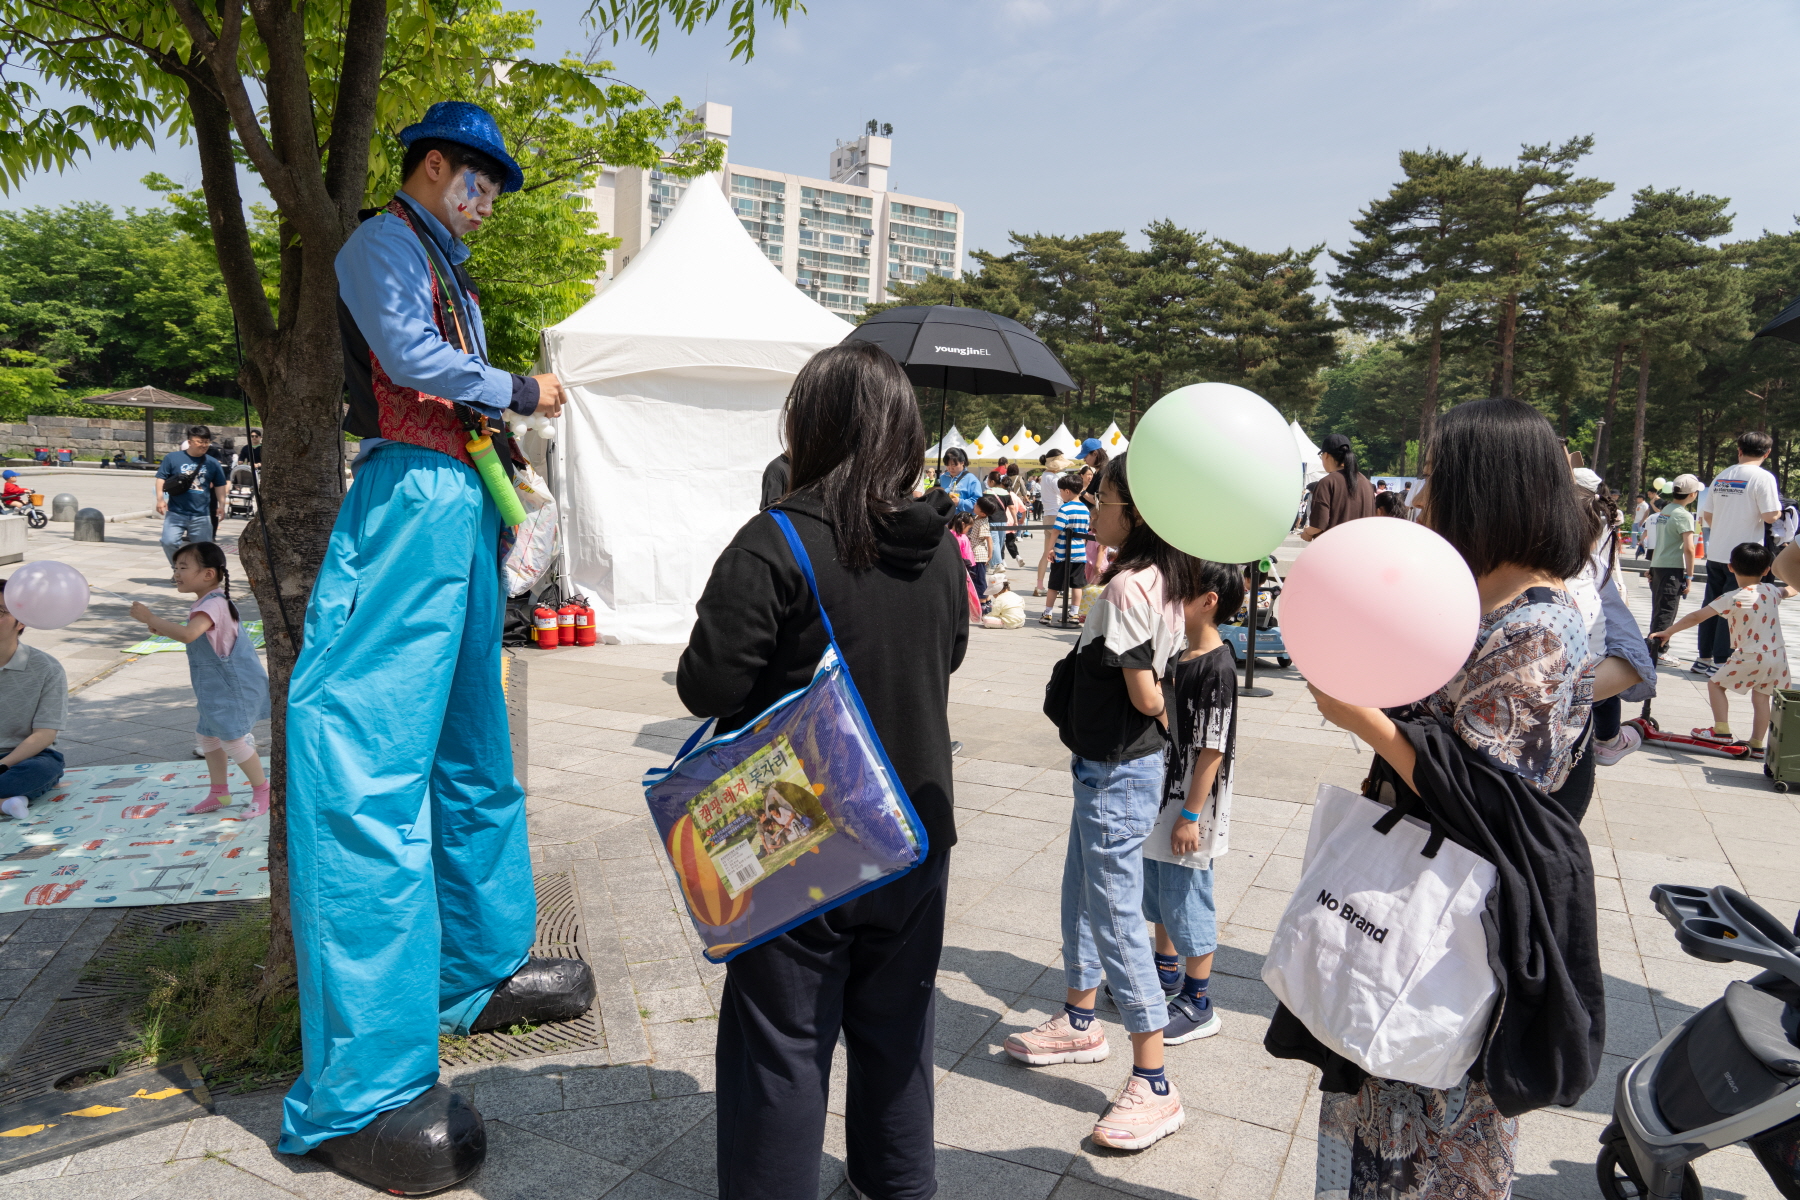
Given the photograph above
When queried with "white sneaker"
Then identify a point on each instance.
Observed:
(1612, 750)
(14, 807)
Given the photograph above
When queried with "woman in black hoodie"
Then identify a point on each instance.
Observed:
(893, 582)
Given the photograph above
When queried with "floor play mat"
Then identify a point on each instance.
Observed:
(163, 645)
(125, 835)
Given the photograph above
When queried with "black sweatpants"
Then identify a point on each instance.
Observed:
(869, 969)
(1715, 632)
(1665, 601)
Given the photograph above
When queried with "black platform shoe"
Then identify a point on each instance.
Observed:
(435, 1142)
(544, 989)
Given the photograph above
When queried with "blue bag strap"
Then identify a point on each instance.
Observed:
(793, 541)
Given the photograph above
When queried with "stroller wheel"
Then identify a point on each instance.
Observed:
(1617, 1175)
(1284, 662)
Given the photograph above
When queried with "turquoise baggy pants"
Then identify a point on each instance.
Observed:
(409, 872)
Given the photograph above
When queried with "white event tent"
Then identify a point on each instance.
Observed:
(676, 375)
(987, 444)
(1022, 445)
(1309, 453)
(952, 441)
(1064, 441)
(1114, 441)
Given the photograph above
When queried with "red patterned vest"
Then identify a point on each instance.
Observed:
(404, 414)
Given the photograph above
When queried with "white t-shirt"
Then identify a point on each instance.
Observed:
(1734, 505)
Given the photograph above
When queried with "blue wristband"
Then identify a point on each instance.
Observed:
(1189, 816)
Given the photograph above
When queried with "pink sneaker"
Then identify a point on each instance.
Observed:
(1057, 1041)
(1139, 1117)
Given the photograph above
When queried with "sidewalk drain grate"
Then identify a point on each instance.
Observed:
(558, 936)
(91, 1023)
(86, 1027)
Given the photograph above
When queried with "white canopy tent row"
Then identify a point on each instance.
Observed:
(676, 375)
(1114, 441)
(987, 444)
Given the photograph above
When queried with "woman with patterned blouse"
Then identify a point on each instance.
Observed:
(1501, 493)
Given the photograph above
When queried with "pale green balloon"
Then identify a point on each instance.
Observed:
(1214, 469)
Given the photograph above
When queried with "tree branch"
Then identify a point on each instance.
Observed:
(225, 213)
(221, 55)
(353, 121)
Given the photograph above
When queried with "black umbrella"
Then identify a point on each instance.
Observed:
(1785, 325)
(944, 347)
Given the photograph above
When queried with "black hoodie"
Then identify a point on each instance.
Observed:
(902, 625)
(1543, 1046)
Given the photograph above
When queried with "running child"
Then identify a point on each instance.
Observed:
(1195, 823)
(228, 679)
(1114, 724)
(1758, 662)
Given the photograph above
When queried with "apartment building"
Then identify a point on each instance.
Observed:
(841, 239)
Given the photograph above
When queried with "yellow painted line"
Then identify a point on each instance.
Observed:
(141, 1094)
(25, 1130)
(93, 1110)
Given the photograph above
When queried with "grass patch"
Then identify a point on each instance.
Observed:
(200, 1000)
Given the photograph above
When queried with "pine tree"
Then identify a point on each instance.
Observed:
(1407, 270)
(1675, 295)
(1266, 331)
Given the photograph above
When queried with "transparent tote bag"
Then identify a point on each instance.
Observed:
(791, 815)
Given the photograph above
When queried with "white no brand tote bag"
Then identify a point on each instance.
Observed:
(1381, 952)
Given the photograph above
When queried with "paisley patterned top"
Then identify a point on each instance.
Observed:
(1524, 696)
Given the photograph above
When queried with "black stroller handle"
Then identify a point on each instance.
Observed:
(1721, 924)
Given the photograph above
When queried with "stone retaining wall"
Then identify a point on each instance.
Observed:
(88, 435)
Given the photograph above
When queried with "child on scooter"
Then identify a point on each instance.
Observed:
(1758, 662)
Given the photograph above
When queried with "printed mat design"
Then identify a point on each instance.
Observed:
(159, 644)
(122, 836)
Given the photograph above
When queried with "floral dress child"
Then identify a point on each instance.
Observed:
(1758, 661)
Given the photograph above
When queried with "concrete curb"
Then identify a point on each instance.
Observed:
(132, 515)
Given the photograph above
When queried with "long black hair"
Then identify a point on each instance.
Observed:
(212, 558)
(1501, 491)
(853, 432)
(1144, 547)
(1338, 446)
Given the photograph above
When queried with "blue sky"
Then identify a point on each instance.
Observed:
(1268, 123)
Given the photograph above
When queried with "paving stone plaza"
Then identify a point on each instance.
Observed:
(633, 1121)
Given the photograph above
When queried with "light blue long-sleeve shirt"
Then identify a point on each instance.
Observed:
(965, 487)
(384, 279)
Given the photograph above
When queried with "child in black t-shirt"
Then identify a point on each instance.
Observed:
(1192, 828)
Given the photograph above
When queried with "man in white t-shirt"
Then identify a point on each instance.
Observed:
(1737, 508)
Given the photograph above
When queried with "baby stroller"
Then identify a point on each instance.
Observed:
(1730, 1073)
(240, 500)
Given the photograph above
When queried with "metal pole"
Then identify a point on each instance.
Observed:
(1068, 551)
(150, 434)
(943, 417)
(1249, 688)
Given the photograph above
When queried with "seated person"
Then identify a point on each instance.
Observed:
(34, 706)
(13, 493)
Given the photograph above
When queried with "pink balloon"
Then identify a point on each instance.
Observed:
(46, 595)
(1379, 612)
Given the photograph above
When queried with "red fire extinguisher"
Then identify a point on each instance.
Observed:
(585, 634)
(565, 623)
(544, 620)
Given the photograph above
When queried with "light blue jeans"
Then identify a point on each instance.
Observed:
(1103, 886)
(197, 526)
(1180, 899)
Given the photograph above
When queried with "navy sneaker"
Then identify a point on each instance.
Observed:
(1188, 1022)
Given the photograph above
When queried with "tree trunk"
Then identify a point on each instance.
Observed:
(1509, 331)
(1603, 445)
(1637, 423)
(1428, 406)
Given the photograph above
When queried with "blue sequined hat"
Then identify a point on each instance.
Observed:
(467, 125)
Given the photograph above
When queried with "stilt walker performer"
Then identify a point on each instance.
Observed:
(410, 878)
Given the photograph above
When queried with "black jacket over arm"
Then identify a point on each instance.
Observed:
(1543, 1046)
(902, 625)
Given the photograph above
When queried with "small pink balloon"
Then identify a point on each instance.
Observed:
(46, 595)
(1379, 612)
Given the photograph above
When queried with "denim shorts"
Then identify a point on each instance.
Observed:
(1180, 899)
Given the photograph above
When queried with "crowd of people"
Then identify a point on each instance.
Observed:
(1502, 758)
